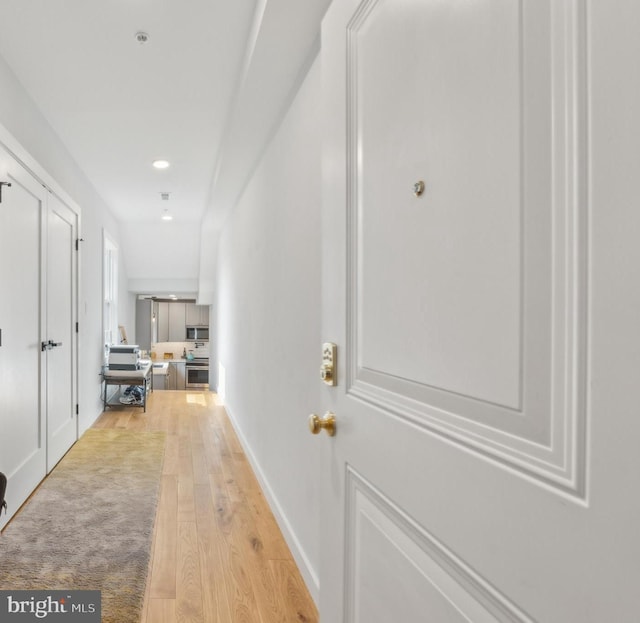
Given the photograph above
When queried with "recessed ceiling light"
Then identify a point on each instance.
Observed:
(161, 164)
(166, 216)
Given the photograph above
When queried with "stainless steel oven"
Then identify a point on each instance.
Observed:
(197, 373)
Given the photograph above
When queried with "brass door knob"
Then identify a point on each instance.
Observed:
(328, 422)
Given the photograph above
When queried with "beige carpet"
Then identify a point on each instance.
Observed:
(90, 524)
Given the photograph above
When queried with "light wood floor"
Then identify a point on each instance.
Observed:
(218, 554)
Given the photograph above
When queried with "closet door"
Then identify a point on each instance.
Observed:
(22, 437)
(61, 336)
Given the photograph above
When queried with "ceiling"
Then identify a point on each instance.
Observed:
(205, 92)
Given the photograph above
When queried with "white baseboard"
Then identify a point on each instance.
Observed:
(302, 561)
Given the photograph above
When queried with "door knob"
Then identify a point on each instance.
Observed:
(328, 422)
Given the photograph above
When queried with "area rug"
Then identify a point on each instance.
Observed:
(90, 524)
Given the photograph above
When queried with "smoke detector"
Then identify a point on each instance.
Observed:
(142, 37)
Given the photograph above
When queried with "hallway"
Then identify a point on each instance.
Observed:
(218, 554)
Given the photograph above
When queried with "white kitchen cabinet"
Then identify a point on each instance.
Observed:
(197, 315)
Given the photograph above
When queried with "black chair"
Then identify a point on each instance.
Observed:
(3, 489)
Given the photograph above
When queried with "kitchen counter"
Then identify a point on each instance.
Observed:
(160, 368)
(174, 360)
(169, 373)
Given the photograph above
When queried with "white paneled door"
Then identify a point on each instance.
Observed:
(38, 347)
(481, 283)
(61, 330)
(22, 415)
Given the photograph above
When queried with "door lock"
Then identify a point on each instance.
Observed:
(328, 372)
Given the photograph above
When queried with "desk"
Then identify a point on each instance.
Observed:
(141, 377)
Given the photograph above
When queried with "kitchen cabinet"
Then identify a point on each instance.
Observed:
(171, 320)
(177, 330)
(144, 323)
(197, 315)
(160, 382)
(176, 375)
(160, 375)
(171, 377)
(159, 322)
(162, 321)
(181, 376)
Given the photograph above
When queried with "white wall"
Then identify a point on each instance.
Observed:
(268, 321)
(158, 249)
(22, 119)
(208, 262)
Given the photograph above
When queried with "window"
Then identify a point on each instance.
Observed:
(110, 290)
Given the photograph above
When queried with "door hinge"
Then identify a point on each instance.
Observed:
(7, 184)
(77, 327)
(78, 241)
(77, 409)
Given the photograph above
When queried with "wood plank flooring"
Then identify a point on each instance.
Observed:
(218, 555)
